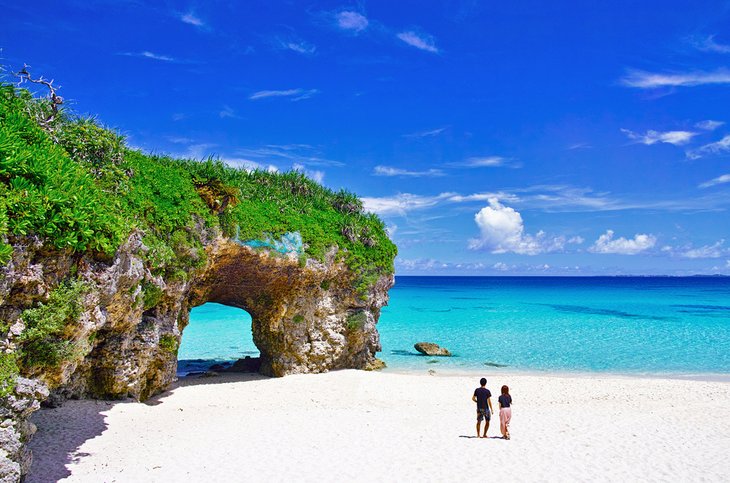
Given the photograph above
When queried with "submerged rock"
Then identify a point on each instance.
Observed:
(494, 364)
(431, 349)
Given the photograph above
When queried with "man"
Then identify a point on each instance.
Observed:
(483, 397)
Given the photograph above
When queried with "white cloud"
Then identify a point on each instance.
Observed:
(502, 231)
(390, 171)
(294, 94)
(485, 162)
(191, 19)
(227, 112)
(249, 165)
(716, 250)
(401, 204)
(622, 246)
(391, 230)
(295, 153)
(576, 240)
(149, 55)
(316, 175)
(709, 125)
(179, 116)
(351, 21)
(676, 138)
(298, 46)
(719, 147)
(419, 41)
(725, 178)
(428, 133)
(708, 44)
(648, 80)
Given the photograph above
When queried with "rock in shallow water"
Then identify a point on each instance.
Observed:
(431, 349)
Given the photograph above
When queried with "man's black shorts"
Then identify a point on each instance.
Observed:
(483, 414)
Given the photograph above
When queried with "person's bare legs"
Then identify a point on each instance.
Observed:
(486, 427)
(479, 424)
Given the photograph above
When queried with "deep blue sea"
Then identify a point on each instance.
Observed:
(629, 325)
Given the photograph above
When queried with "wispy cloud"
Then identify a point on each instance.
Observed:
(351, 21)
(676, 138)
(649, 80)
(419, 40)
(294, 94)
(725, 178)
(708, 44)
(227, 112)
(191, 19)
(401, 204)
(149, 55)
(709, 125)
(390, 171)
(719, 147)
(294, 153)
(426, 134)
(485, 162)
(607, 244)
(295, 45)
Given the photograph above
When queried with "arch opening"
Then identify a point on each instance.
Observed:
(218, 337)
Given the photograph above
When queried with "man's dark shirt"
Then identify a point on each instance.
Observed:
(482, 394)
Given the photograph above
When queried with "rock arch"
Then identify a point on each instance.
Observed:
(307, 316)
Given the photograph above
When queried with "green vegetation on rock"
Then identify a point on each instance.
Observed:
(73, 183)
(168, 343)
(42, 343)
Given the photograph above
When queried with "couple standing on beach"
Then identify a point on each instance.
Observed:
(483, 397)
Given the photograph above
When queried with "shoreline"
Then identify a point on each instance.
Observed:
(465, 371)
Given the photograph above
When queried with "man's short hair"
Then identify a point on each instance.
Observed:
(483, 381)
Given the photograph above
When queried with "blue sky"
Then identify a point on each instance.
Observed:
(532, 137)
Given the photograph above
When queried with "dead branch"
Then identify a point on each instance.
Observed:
(55, 99)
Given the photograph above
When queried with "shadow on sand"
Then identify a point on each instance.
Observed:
(62, 431)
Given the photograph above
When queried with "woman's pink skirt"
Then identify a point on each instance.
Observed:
(505, 415)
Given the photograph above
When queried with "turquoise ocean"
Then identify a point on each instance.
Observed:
(626, 325)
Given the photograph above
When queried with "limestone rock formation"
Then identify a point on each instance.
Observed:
(431, 349)
(307, 316)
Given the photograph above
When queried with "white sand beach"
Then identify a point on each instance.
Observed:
(365, 426)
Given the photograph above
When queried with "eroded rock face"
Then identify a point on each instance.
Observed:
(307, 316)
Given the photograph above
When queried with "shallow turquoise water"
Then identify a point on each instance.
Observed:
(620, 325)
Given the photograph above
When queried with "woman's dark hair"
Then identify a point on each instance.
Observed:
(483, 381)
(505, 390)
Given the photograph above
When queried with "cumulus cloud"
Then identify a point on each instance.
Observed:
(676, 138)
(715, 250)
(649, 80)
(419, 41)
(576, 240)
(293, 94)
(622, 246)
(725, 178)
(502, 231)
(719, 147)
(351, 21)
(709, 125)
(390, 171)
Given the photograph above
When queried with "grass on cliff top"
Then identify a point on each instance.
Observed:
(75, 184)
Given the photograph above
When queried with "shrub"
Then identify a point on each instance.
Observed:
(43, 342)
(168, 343)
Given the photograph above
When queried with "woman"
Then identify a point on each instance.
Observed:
(505, 411)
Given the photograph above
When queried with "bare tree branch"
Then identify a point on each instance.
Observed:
(55, 99)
